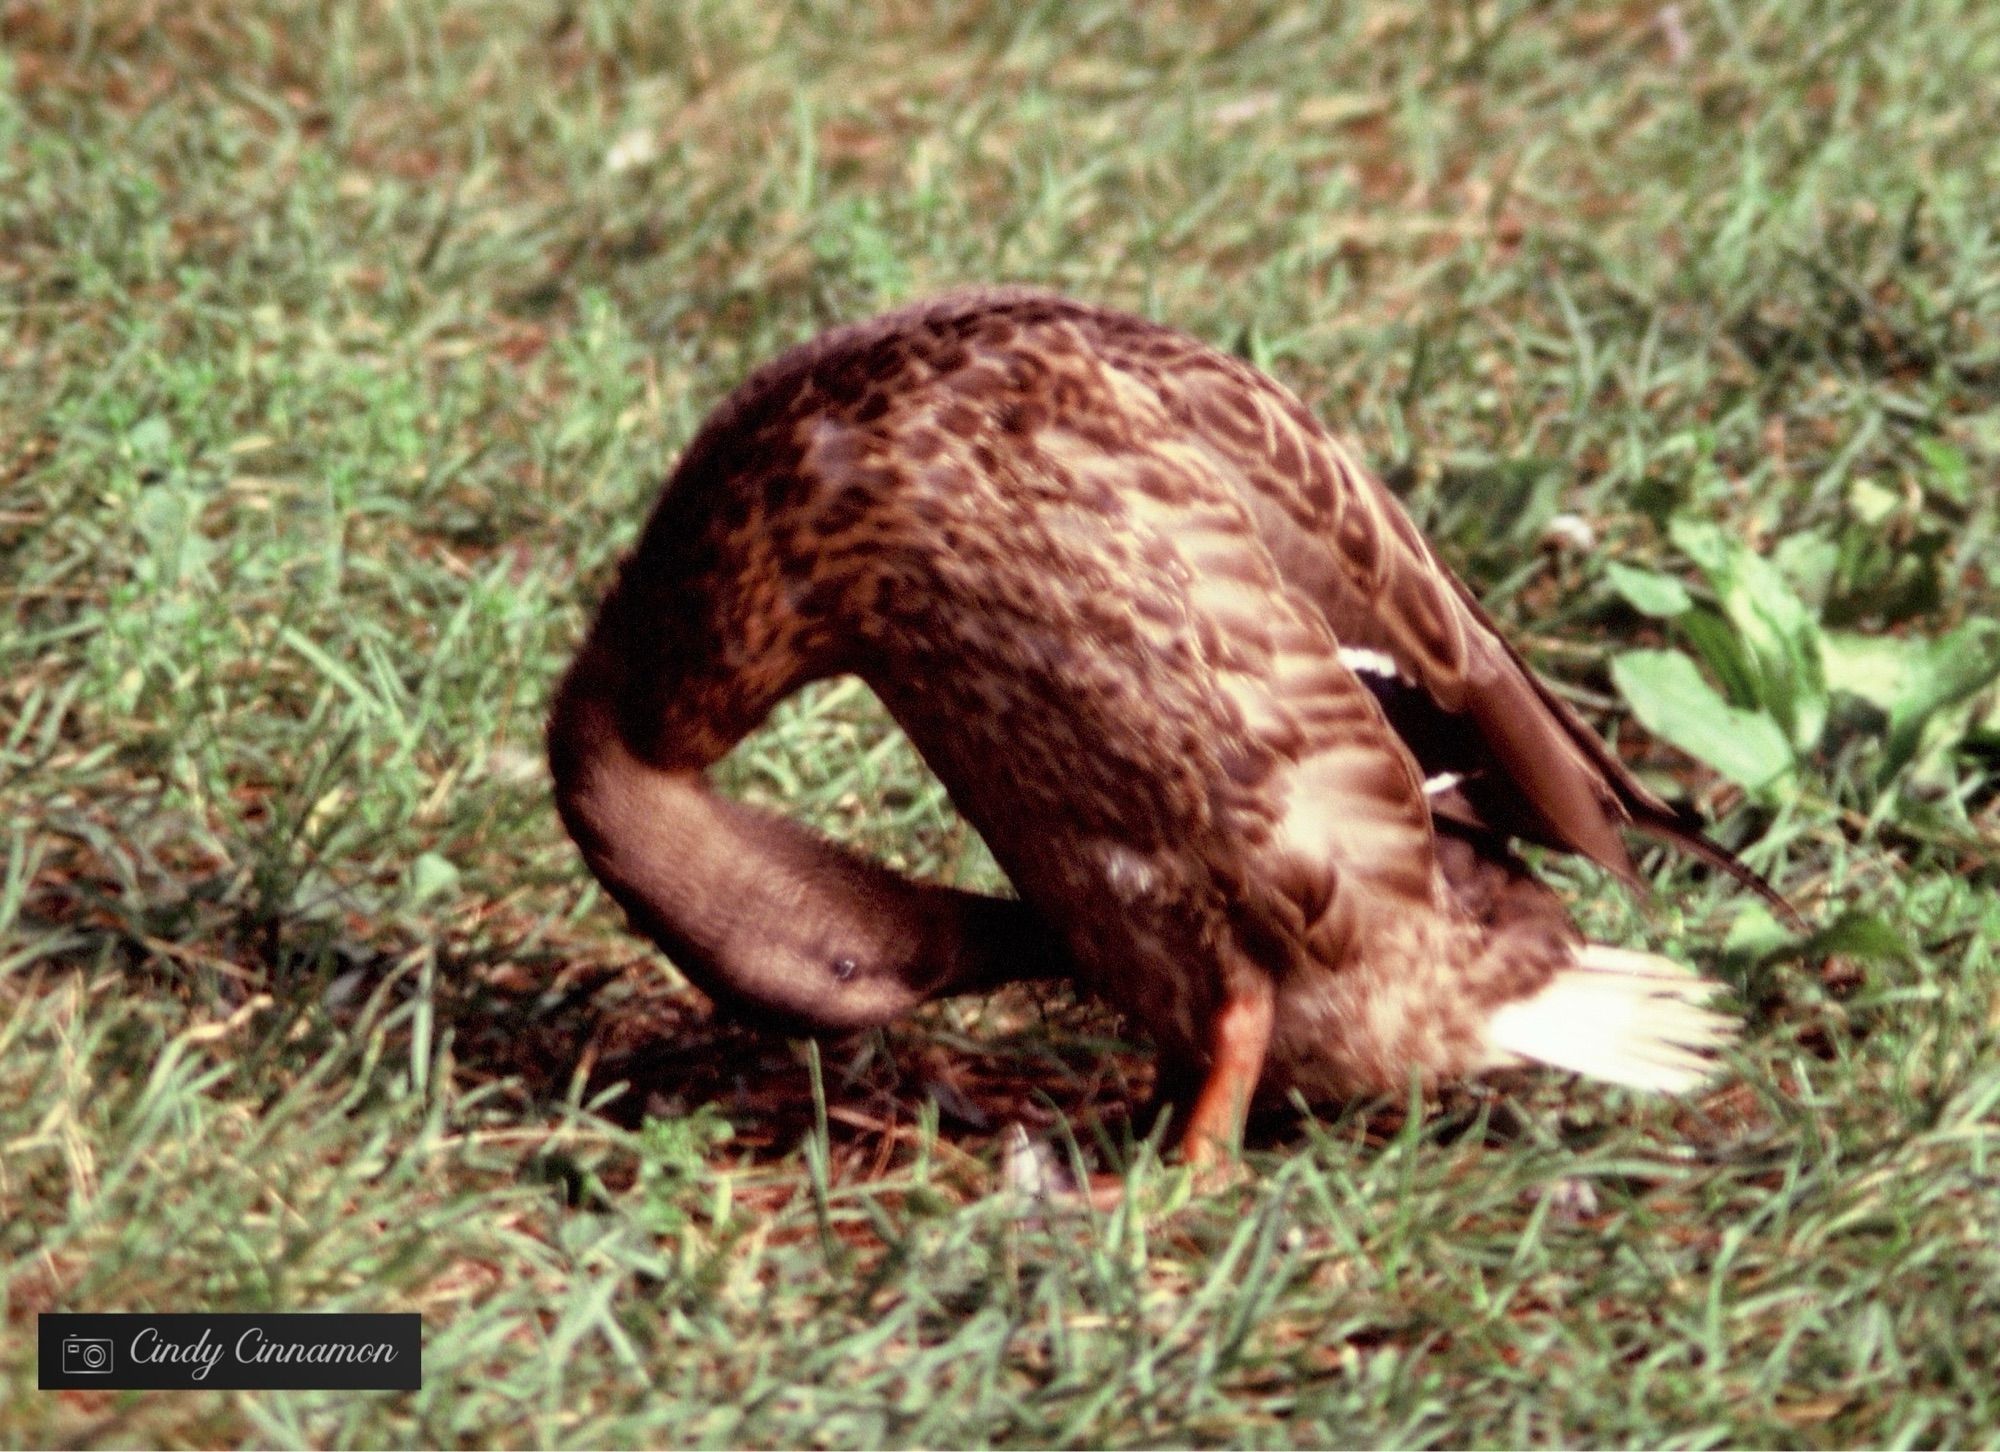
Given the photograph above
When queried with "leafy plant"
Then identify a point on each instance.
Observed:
(1781, 670)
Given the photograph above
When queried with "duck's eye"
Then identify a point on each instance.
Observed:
(843, 969)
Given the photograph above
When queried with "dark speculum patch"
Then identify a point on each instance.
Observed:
(1440, 740)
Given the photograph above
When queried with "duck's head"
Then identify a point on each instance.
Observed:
(775, 923)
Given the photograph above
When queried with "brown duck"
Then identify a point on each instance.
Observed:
(1251, 755)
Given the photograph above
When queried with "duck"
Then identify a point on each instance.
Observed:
(1256, 763)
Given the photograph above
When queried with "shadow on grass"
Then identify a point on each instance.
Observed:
(542, 1020)
(552, 1023)
(647, 1046)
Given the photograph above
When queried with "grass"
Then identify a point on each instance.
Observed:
(340, 349)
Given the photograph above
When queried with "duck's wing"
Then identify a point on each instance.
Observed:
(1529, 766)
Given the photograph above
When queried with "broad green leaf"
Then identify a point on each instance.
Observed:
(1784, 638)
(1647, 591)
(1671, 700)
(1810, 561)
(1952, 670)
(1914, 681)
(1756, 933)
(1862, 936)
(1718, 643)
(1780, 637)
(1877, 668)
(1702, 542)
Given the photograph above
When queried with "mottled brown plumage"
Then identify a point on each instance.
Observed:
(1142, 615)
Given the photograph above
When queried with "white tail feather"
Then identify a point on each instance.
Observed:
(1631, 1018)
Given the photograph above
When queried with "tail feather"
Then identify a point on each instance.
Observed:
(1627, 1017)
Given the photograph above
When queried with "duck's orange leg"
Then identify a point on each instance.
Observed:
(1238, 1041)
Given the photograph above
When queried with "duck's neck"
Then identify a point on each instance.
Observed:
(766, 917)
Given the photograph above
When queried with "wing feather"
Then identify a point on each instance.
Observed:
(1332, 803)
(1343, 545)
(1344, 541)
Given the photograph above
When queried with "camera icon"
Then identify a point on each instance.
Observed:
(86, 1355)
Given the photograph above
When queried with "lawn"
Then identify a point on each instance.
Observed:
(341, 347)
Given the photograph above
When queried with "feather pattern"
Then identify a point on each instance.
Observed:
(1248, 751)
